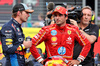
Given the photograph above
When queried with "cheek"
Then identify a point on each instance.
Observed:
(23, 17)
(55, 18)
(90, 18)
(64, 19)
(83, 18)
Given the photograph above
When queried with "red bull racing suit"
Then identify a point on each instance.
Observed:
(12, 43)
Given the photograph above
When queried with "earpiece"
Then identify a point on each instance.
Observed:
(81, 14)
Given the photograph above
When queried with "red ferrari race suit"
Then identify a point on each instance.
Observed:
(60, 41)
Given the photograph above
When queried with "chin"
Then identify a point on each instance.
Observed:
(86, 23)
(57, 23)
(25, 21)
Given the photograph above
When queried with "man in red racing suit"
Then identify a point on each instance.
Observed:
(60, 41)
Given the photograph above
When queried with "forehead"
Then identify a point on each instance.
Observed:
(87, 11)
(57, 13)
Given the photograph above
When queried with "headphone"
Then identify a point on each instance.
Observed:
(81, 15)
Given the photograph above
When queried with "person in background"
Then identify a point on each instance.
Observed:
(59, 39)
(12, 36)
(41, 21)
(90, 31)
(93, 18)
(2, 57)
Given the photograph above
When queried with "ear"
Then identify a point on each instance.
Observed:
(66, 17)
(18, 13)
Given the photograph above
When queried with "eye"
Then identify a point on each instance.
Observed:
(89, 15)
(55, 15)
(60, 14)
(84, 14)
(27, 12)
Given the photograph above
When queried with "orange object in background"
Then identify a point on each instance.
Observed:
(1, 54)
(27, 55)
(3, 2)
(0, 47)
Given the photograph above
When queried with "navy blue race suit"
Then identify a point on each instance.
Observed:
(12, 38)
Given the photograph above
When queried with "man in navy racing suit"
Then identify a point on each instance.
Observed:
(12, 36)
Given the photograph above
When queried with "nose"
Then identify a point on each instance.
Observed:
(28, 14)
(86, 16)
(57, 17)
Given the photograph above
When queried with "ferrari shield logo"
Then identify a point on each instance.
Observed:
(69, 32)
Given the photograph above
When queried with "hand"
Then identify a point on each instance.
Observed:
(42, 62)
(49, 12)
(73, 62)
(27, 44)
(73, 22)
(82, 32)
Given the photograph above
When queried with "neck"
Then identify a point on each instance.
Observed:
(61, 25)
(18, 20)
(82, 26)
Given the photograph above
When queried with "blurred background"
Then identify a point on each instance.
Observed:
(32, 27)
(40, 6)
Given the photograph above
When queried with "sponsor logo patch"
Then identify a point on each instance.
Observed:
(20, 39)
(69, 40)
(53, 32)
(8, 31)
(61, 50)
(54, 44)
(9, 41)
(54, 39)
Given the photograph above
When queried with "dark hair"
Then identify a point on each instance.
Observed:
(65, 15)
(14, 15)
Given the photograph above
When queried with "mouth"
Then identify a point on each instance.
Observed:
(86, 20)
(57, 21)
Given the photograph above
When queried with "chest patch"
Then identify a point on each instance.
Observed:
(53, 32)
(61, 50)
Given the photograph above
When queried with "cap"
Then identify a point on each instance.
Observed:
(61, 10)
(22, 7)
